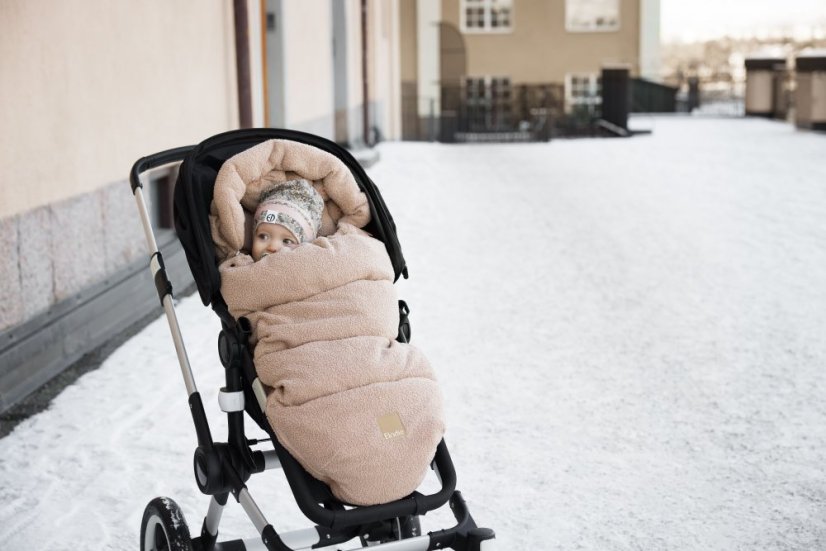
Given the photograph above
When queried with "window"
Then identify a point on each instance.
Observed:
(500, 92)
(487, 90)
(486, 15)
(591, 15)
(474, 90)
(583, 92)
(158, 189)
(487, 103)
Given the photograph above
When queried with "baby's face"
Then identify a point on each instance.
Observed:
(270, 239)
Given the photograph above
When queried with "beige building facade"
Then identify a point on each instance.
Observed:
(88, 88)
(91, 86)
(534, 44)
(313, 68)
(503, 43)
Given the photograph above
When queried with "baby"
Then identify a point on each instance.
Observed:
(288, 214)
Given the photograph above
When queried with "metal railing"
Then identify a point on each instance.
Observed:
(519, 113)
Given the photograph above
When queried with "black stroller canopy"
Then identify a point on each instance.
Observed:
(193, 197)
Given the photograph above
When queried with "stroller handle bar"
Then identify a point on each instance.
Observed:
(164, 286)
(156, 264)
(154, 161)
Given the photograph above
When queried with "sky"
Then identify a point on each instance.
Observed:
(688, 20)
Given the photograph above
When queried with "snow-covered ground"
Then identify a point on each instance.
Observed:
(629, 335)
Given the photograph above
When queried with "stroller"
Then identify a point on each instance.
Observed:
(223, 468)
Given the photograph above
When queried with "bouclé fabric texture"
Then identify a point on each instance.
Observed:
(358, 410)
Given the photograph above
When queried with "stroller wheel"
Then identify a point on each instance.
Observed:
(163, 527)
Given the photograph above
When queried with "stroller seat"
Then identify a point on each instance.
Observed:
(222, 469)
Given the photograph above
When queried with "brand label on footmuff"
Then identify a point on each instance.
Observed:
(391, 425)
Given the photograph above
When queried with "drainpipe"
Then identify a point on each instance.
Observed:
(365, 112)
(242, 62)
(263, 15)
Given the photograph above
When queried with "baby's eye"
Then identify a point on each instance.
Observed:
(289, 241)
(262, 236)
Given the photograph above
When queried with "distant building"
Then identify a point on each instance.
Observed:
(490, 46)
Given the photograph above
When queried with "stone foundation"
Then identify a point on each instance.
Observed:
(51, 253)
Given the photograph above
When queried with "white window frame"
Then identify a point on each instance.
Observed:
(487, 7)
(487, 83)
(593, 97)
(487, 104)
(595, 28)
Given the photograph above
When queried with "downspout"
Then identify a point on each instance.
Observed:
(264, 62)
(242, 62)
(365, 111)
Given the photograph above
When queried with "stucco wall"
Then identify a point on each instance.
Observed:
(540, 49)
(384, 76)
(429, 14)
(408, 41)
(308, 81)
(355, 94)
(650, 56)
(308, 67)
(89, 86)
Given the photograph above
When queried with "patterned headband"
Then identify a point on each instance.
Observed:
(282, 219)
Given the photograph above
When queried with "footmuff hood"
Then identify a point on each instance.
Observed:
(245, 176)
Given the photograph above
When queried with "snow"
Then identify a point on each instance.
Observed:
(813, 52)
(628, 333)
